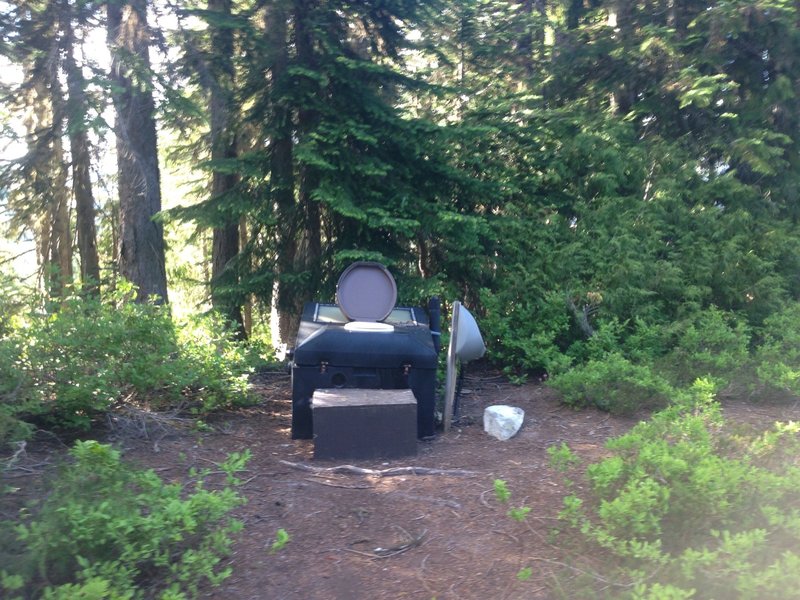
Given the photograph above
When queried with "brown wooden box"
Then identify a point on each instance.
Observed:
(364, 424)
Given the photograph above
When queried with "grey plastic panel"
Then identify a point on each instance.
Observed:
(366, 292)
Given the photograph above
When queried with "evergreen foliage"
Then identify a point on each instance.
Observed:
(556, 165)
(568, 169)
(612, 186)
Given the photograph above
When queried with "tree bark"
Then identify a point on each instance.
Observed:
(46, 170)
(85, 213)
(225, 243)
(60, 239)
(530, 42)
(247, 305)
(141, 253)
(284, 322)
(308, 260)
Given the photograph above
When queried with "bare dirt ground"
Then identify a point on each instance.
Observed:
(415, 537)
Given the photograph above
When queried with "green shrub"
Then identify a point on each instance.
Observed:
(612, 383)
(647, 342)
(625, 366)
(12, 302)
(13, 384)
(214, 367)
(66, 368)
(607, 338)
(708, 343)
(778, 356)
(682, 508)
(107, 530)
(524, 332)
(12, 379)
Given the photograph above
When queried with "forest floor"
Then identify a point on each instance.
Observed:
(415, 537)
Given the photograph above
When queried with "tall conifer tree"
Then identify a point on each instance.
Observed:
(223, 113)
(141, 253)
(77, 130)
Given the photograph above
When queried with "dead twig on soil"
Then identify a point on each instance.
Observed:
(15, 457)
(338, 485)
(508, 535)
(25, 471)
(393, 472)
(10, 465)
(129, 421)
(53, 436)
(413, 542)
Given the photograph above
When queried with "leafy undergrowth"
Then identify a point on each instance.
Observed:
(104, 528)
(65, 369)
(108, 530)
(626, 367)
(686, 506)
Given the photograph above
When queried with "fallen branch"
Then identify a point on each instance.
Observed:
(338, 485)
(582, 316)
(393, 472)
(412, 542)
(129, 421)
(19, 452)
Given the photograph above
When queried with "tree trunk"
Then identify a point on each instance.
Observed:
(43, 124)
(575, 10)
(60, 239)
(284, 321)
(247, 305)
(224, 249)
(308, 261)
(81, 162)
(225, 244)
(525, 40)
(621, 16)
(141, 253)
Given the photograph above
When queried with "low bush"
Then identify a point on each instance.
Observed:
(778, 356)
(108, 530)
(625, 367)
(524, 333)
(66, 368)
(684, 508)
(708, 343)
(612, 383)
(214, 366)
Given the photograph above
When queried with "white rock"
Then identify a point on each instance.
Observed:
(502, 421)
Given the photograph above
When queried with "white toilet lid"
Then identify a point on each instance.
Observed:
(366, 292)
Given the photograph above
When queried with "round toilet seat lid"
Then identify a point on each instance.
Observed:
(366, 292)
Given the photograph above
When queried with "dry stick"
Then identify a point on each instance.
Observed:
(393, 472)
(508, 535)
(483, 498)
(394, 550)
(13, 258)
(336, 485)
(24, 471)
(19, 452)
